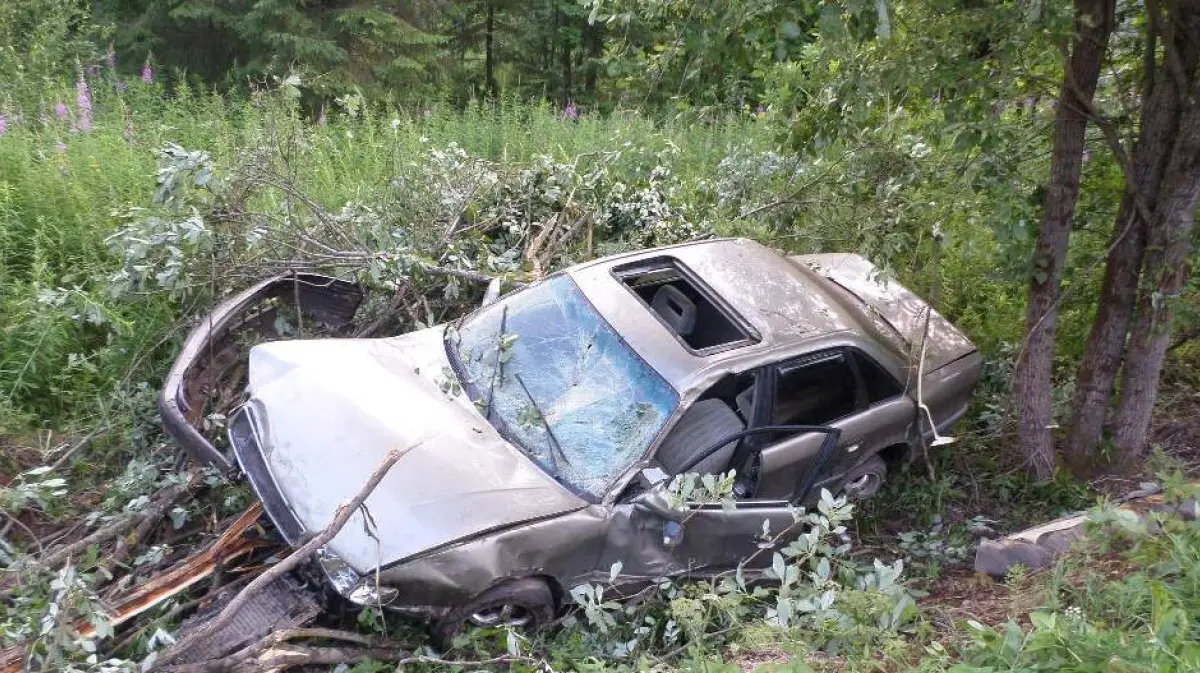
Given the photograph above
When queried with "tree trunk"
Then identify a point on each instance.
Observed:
(592, 51)
(566, 65)
(1106, 342)
(1168, 240)
(1093, 23)
(489, 59)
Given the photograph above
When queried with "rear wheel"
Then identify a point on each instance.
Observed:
(526, 604)
(865, 480)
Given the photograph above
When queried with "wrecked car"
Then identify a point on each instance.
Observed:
(550, 423)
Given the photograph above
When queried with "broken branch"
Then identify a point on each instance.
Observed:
(272, 641)
(150, 517)
(291, 561)
(112, 529)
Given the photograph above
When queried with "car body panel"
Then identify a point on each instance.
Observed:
(863, 434)
(714, 539)
(783, 306)
(212, 349)
(565, 549)
(897, 304)
(329, 411)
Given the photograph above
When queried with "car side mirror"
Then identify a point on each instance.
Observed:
(657, 501)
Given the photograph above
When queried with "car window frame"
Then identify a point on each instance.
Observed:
(851, 353)
(752, 336)
(763, 376)
(816, 357)
(450, 341)
(862, 381)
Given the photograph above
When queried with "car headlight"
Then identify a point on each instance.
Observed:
(358, 589)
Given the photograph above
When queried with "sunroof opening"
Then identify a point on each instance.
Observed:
(684, 304)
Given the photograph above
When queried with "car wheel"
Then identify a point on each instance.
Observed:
(526, 604)
(864, 480)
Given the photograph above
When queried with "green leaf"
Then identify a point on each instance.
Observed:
(614, 571)
(778, 566)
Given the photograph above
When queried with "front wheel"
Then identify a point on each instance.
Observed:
(527, 604)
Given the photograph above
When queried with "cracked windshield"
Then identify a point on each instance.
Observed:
(550, 372)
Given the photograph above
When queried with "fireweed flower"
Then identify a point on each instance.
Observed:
(60, 111)
(570, 111)
(147, 74)
(3, 125)
(83, 106)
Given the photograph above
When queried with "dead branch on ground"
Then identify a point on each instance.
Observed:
(151, 516)
(291, 561)
(135, 521)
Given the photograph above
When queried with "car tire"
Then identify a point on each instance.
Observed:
(864, 480)
(525, 603)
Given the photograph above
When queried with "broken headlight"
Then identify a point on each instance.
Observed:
(356, 588)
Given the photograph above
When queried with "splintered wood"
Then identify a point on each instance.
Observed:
(230, 546)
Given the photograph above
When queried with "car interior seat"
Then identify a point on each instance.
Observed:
(745, 402)
(676, 309)
(701, 426)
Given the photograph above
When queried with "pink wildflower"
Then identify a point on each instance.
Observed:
(60, 111)
(83, 106)
(3, 125)
(147, 73)
(570, 111)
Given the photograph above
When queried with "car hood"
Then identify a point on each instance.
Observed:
(328, 411)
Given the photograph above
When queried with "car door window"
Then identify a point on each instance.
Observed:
(816, 390)
(879, 384)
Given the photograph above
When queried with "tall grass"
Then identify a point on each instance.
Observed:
(67, 348)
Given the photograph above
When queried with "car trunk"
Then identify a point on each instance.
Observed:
(901, 308)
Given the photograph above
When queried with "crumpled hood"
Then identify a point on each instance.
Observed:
(329, 410)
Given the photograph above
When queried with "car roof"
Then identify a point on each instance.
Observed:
(783, 302)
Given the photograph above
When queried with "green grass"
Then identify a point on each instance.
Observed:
(65, 344)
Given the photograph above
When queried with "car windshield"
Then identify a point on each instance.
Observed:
(554, 376)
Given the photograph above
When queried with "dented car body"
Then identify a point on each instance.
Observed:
(547, 424)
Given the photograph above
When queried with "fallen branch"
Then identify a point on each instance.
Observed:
(28, 533)
(394, 305)
(83, 442)
(150, 517)
(291, 561)
(249, 655)
(296, 655)
(112, 529)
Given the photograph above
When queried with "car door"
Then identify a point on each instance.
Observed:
(840, 388)
(702, 539)
(650, 539)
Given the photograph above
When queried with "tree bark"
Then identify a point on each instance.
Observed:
(1034, 370)
(1168, 242)
(593, 49)
(1105, 346)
